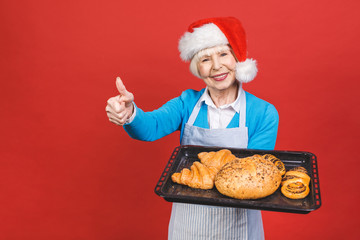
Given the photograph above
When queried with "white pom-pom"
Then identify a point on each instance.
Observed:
(246, 71)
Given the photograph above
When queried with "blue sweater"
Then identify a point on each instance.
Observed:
(262, 120)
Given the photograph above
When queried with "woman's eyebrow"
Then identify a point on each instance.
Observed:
(223, 50)
(205, 56)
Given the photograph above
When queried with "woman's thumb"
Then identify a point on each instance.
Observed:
(120, 86)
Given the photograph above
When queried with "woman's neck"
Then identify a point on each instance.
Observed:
(224, 97)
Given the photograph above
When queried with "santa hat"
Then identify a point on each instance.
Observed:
(211, 32)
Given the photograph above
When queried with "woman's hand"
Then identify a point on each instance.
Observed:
(120, 108)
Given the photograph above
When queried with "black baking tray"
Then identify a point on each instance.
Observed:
(184, 156)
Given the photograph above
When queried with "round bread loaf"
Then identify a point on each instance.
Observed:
(248, 178)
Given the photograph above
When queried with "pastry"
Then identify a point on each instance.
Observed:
(248, 178)
(277, 162)
(202, 174)
(295, 184)
(216, 159)
(199, 176)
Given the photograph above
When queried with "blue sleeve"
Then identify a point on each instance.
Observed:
(150, 126)
(265, 133)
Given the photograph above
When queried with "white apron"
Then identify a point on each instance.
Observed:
(202, 222)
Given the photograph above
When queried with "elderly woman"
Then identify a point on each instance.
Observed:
(222, 114)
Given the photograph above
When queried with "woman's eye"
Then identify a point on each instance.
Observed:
(204, 60)
(223, 54)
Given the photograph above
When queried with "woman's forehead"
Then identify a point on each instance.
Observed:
(211, 51)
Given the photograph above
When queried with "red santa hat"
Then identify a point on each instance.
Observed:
(211, 32)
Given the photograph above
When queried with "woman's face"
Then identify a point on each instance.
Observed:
(218, 70)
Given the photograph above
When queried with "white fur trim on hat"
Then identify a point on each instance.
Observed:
(206, 36)
(246, 70)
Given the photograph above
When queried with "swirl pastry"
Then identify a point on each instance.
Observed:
(277, 162)
(295, 183)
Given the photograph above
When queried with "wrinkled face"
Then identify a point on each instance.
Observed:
(217, 69)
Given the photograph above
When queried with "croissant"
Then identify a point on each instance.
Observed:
(295, 183)
(279, 164)
(199, 176)
(216, 159)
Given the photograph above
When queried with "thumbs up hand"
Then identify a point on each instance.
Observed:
(120, 108)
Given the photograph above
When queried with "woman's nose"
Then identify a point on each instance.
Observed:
(216, 63)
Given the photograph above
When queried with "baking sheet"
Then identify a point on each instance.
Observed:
(184, 156)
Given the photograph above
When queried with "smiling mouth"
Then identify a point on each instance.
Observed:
(220, 77)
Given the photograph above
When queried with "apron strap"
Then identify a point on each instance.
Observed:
(194, 113)
(242, 113)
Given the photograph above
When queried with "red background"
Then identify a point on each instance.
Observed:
(66, 172)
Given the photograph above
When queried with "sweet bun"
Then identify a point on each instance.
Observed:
(277, 162)
(295, 184)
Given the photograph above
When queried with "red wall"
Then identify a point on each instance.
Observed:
(66, 172)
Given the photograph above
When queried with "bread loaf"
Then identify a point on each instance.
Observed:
(248, 178)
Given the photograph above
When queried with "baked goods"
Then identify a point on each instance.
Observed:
(295, 184)
(216, 159)
(277, 162)
(248, 178)
(202, 175)
(199, 176)
(252, 177)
